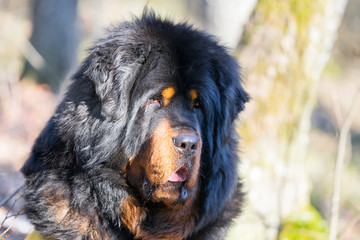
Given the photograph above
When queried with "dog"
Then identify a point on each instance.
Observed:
(143, 144)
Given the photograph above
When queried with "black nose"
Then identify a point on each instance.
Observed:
(186, 143)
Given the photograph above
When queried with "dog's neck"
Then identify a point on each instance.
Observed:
(158, 221)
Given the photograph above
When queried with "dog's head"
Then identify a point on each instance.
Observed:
(155, 104)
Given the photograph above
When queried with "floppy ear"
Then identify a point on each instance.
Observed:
(100, 71)
(113, 68)
(220, 167)
(228, 78)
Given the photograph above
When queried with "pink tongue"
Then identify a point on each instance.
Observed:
(179, 176)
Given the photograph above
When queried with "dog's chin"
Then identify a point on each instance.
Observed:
(179, 189)
(173, 194)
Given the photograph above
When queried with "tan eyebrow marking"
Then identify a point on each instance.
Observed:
(167, 94)
(193, 94)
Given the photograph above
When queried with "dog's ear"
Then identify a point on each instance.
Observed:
(228, 79)
(99, 68)
(113, 67)
(220, 167)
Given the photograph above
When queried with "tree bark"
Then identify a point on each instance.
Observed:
(283, 52)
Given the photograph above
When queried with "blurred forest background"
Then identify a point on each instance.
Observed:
(300, 146)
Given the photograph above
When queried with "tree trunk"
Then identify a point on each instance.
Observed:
(54, 39)
(224, 19)
(283, 51)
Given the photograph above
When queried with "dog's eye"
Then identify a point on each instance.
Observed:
(158, 99)
(197, 103)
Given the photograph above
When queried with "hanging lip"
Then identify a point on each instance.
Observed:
(181, 175)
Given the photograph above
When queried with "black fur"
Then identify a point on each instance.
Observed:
(76, 162)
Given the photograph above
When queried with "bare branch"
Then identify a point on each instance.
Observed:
(351, 224)
(339, 166)
(8, 230)
(6, 200)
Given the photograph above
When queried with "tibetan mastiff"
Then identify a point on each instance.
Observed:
(143, 145)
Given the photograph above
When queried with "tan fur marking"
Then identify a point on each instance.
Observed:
(64, 215)
(193, 94)
(196, 166)
(132, 214)
(162, 162)
(167, 94)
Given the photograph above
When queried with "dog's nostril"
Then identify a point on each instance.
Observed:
(186, 143)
